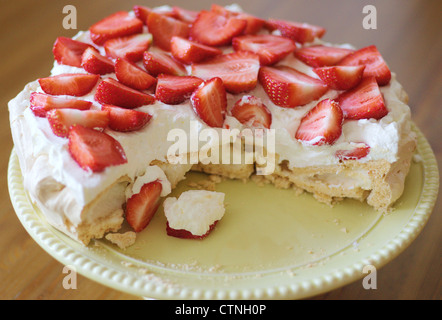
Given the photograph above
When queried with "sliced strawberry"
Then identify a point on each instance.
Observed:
(126, 120)
(163, 28)
(238, 70)
(157, 62)
(187, 16)
(213, 29)
(254, 24)
(41, 103)
(210, 102)
(251, 112)
(68, 51)
(133, 76)
(375, 65)
(341, 77)
(269, 48)
(130, 48)
(75, 84)
(175, 89)
(322, 124)
(299, 32)
(93, 62)
(94, 150)
(359, 152)
(222, 10)
(61, 120)
(165, 10)
(187, 51)
(289, 88)
(110, 91)
(141, 207)
(142, 12)
(184, 234)
(364, 101)
(321, 56)
(119, 24)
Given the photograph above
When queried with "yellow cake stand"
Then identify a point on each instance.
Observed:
(271, 243)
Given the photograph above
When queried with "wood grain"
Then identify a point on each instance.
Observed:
(409, 36)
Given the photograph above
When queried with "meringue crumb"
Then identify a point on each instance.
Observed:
(260, 181)
(216, 178)
(417, 158)
(209, 184)
(127, 264)
(146, 273)
(122, 240)
(291, 273)
(203, 185)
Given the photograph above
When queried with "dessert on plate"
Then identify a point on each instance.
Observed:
(93, 137)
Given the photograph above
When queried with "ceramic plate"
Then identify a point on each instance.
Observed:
(271, 243)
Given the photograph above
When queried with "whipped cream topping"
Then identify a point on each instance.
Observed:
(150, 143)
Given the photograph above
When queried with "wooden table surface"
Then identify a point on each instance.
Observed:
(408, 34)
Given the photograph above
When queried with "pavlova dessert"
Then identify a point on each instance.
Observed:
(97, 138)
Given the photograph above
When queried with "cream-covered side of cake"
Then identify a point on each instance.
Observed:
(87, 205)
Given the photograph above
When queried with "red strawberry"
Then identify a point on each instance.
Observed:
(187, 51)
(322, 124)
(364, 101)
(214, 29)
(254, 24)
(299, 32)
(184, 234)
(289, 88)
(359, 152)
(375, 65)
(187, 16)
(222, 10)
(119, 24)
(165, 10)
(93, 62)
(238, 70)
(110, 91)
(269, 48)
(321, 56)
(41, 103)
(68, 51)
(159, 62)
(133, 76)
(210, 102)
(75, 84)
(163, 28)
(61, 120)
(94, 150)
(130, 48)
(126, 120)
(141, 207)
(341, 77)
(142, 12)
(175, 89)
(252, 112)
